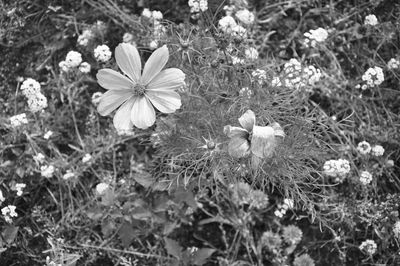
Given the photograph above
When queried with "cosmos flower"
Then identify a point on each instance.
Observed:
(135, 93)
(260, 141)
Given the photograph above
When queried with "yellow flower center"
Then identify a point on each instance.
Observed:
(138, 89)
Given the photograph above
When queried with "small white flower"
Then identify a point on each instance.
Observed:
(86, 158)
(246, 92)
(227, 24)
(289, 203)
(85, 37)
(393, 64)
(365, 177)
(68, 175)
(102, 53)
(101, 188)
(315, 36)
(245, 16)
(19, 187)
(146, 13)
(278, 213)
(63, 66)
(153, 45)
(239, 31)
(96, 97)
(337, 169)
(377, 150)
(371, 20)
(313, 74)
(47, 171)
(37, 102)
(73, 59)
(18, 120)
(39, 158)
(9, 212)
(30, 87)
(259, 75)
(237, 61)
(48, 134)
(251, 53)
(364, 147)
(84, 67)
(368, 246)
(276, 82)
(157, 15)
(373, 76)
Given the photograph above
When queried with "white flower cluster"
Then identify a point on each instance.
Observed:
(39, 158)
(371, 20)
(36, 100)
(369, 246)
(365, 148)
(337, 169)
(86, 158)
(236, 60)
(259, 75)
(283, 208)
(101, 188)
(85, 37)
(102, 53)
(155, 15)
(47, 171)
(314, 37)
(74, 60)
(245, 92)
(396, 230)
(365, 177)
(228, 25)
(393, 64)
(245, 16)
(295, 76)
(373, 76)
(18, 120)
(251, 53)
(9, 212)
(198, 5)
(19, 188)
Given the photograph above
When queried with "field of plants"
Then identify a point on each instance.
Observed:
(195, 132)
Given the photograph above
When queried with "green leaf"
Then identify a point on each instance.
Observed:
(173, 248)
(126, 234)
(10, 233)
(186, 196)
(201, 256)
(144, 179)
(108, 227)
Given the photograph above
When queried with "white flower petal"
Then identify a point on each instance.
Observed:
(111, 100)
(263, 141)
(128, 60)
(154, 64)
(168, 79)
(112, 80)
(143, 114)
(165, 101)
(248, 120)
(238, 147)
(232, 132)
(122, 119)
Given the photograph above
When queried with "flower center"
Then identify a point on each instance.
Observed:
(138, 89)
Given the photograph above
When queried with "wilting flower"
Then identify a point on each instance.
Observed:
(136, 94)
(260, 141)
(271, 240)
